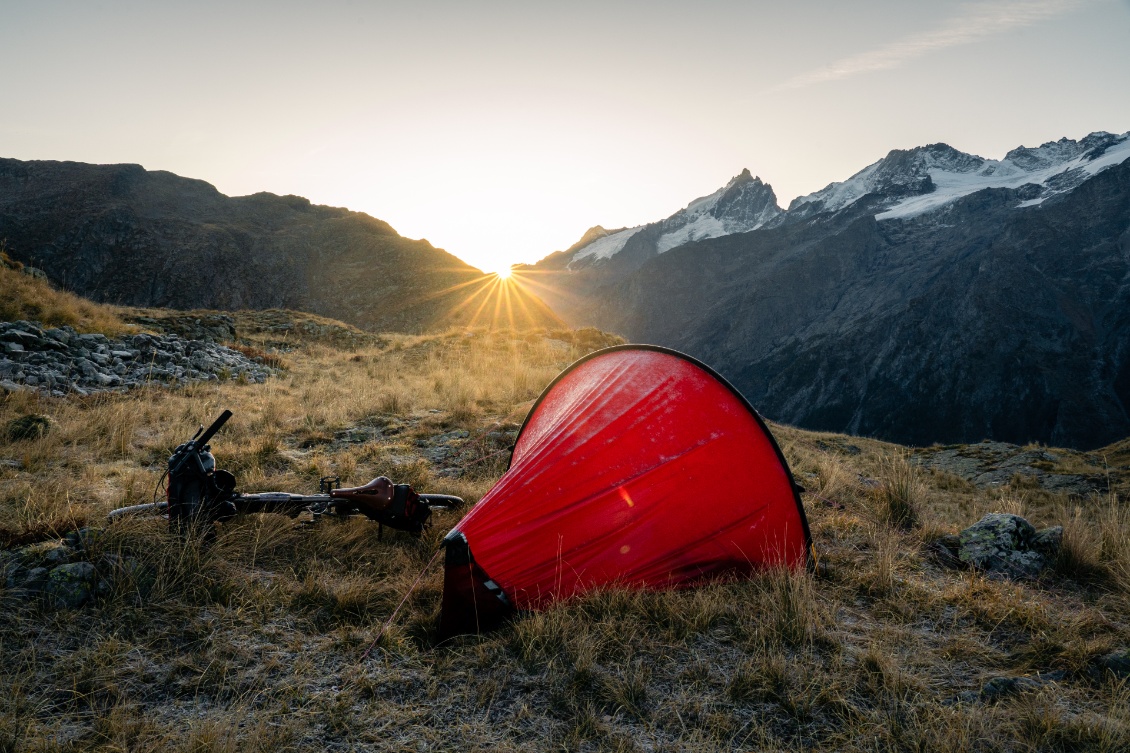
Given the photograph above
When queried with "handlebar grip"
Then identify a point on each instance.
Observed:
(211, 430)
(445, 501)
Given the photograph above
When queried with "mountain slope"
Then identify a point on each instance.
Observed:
(121, 234)
(567, 279)
(999, 312)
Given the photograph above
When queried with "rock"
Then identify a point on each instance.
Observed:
(34, 579)
(1117, 662)
(1002, 544)
(72, 585)
(999, 687)
(994, 464)
(1047, 541)
(83, 537)
(62, 335)
(63, 360)
(946, 549)
(52, 552)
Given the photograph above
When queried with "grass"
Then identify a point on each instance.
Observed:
(256, 642)
(25, 297)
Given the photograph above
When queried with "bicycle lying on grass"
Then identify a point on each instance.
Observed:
(200, 495)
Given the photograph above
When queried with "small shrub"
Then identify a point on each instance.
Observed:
(31, 426)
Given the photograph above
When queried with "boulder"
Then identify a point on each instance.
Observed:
(72, 585)
(1008, 546)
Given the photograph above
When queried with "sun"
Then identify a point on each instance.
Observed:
(504, 272)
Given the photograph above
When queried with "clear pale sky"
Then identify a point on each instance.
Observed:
(502, 130)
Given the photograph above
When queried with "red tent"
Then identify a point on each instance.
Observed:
(637, 466)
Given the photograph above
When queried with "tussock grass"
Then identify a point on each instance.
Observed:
(254, 643)
(900, 496)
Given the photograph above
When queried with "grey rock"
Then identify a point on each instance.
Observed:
(61, 335)
(34, 555)
(57, 555)
(1047, 541)
(437, 454)
(83, 538)
(946, 549)
(93, 363)
(72, 585)
(1002, 544)
(1117, 662)
(34, 579)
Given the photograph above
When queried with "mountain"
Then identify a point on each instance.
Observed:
(122, 234)
(602, 256)
(909, 183)
(934, 296)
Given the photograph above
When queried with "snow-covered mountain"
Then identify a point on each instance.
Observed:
(743, 204)
(935, 296)
(911, 182)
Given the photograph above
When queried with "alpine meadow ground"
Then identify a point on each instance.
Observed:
(256, 642)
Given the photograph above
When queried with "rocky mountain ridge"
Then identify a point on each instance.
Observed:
(601, 256)
(910, 182)
(933, 297)
(121, 234)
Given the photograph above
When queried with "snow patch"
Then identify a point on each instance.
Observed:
(606, 247)
(706, 226)
(950, 186)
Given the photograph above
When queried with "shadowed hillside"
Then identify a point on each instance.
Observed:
(121, 234)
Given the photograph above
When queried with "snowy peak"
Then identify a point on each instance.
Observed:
(907, 183)
(745, 203)
(901, 174)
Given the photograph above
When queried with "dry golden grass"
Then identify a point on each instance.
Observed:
(26, 297)
(255, 643)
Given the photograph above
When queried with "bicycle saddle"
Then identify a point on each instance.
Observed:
(378, 491)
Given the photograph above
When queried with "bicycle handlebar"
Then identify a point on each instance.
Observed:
(215, 427)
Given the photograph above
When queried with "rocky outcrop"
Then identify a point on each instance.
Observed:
(1006, 546)
(61, 361)
(70, 572)
(994, 464)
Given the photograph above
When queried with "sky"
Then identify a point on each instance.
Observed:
(500, 131)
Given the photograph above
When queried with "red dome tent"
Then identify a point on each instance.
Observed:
(638, 466)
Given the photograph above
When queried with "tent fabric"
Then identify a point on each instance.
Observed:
(638, 466)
